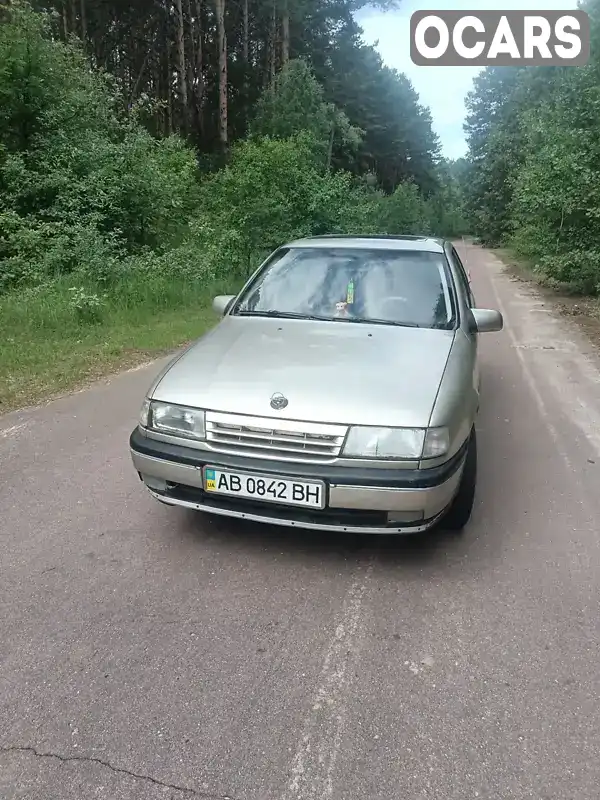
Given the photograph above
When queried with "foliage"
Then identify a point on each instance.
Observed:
(81, 184)
(446, 206)
(490, 123)
(534, 172)
(405, 212)
(239, 225)
(87, 305)
(120, 212)
(398, 143)
(86, 189)
(167, 55)
(295, 103)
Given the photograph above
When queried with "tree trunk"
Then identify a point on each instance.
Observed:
(246, 59)
(181, 64)
(285, 33)
(272, 43)
(83, 22)
(246, 34)
(191, 59)
(265, 58)
(199, 68)
(222, 36)
(157, 82)
(136, 83)
(65, 17)
(169, 98)
(330, 147)
(132, 48)
(122, 69)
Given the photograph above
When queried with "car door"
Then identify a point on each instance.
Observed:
(465, 285)
(464, 278)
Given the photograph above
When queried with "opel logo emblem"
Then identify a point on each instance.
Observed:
(278, 401)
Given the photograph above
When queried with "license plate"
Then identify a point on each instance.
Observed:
(310, 494)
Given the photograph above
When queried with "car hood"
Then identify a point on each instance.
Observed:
(329, 371)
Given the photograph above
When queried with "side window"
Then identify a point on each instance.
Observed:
(462, 275)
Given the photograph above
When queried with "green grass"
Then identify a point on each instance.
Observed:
(524, 268)
(48, 349)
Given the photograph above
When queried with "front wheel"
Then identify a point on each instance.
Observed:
(462, 505)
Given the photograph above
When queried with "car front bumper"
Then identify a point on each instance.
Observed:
(374, 501)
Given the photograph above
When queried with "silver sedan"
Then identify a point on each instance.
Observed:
(338, 392)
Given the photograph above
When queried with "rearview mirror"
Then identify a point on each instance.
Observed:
(485, 320)
(221, 303)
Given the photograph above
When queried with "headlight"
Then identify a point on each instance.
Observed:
(437, 442)
(144, 413)
(175, 420)
(400, 443)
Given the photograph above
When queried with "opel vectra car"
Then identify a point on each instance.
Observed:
(339, 391)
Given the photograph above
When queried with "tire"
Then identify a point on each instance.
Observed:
(461, 507)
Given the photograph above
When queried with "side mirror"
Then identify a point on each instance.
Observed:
(221, 303)
(485, 320)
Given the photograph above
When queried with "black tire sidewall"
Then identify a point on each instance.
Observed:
(461, 507)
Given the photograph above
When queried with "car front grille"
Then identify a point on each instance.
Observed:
(278, 439)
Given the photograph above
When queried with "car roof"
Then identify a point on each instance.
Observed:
(427, 244)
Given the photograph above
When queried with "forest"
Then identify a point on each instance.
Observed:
(152, 153)
(532, 176)
(190, 138)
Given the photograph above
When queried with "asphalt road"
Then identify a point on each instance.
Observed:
(147, 652)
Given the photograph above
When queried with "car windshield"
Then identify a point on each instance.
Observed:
(393, 287)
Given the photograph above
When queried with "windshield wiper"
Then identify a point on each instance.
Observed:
(373, 321)
(281, 315)
(356, 320)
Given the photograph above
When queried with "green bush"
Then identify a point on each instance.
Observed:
(295, 104)
(535, 164)
(272, 191)
(87, 192)
(405, 212)
(82, 183)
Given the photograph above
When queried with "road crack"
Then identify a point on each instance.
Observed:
(118, 770)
